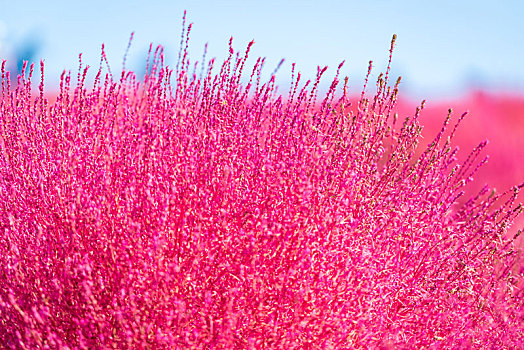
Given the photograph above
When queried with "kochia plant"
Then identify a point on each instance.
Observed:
(213, 213)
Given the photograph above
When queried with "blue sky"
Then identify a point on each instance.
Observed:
(443, 47)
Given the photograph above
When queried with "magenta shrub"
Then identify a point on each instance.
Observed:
(216, 214)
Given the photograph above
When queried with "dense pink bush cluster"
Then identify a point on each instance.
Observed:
(213, 213)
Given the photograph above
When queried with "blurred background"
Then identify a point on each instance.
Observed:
(444, 47)
(468, 55)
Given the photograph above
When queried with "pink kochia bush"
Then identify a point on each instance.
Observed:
(498, 117)
(215, 213)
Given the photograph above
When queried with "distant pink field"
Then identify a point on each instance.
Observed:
(496, 117)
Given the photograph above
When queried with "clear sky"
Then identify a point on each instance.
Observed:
(443, 46)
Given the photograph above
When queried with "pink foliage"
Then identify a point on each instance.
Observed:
(497, 117)
(213, 213)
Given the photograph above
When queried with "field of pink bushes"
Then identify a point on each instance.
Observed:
(179, 212)
(496, 117)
